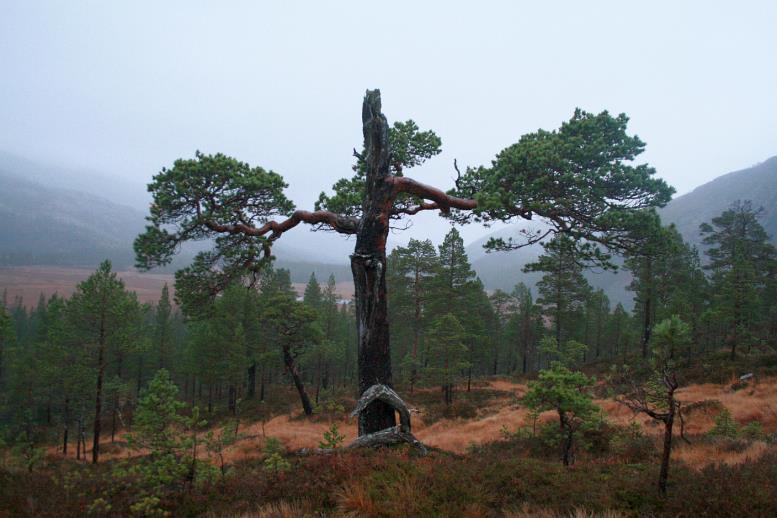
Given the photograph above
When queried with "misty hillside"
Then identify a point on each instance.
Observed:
(52, 226)
(758, 183)
(503, 270)
(47, 224)
(113, 188)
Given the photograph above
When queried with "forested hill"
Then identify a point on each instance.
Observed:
(757, 183)
(687, 212)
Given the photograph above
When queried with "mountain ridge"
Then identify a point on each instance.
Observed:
(757, 183)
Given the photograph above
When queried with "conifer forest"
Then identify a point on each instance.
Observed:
(396, 302)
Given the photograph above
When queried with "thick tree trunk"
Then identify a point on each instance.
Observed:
(368, 265)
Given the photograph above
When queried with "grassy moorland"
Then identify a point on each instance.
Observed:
(489, 457)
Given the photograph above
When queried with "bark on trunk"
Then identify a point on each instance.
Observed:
(66, 427)
(252, 381)
(647, 321)
(232, 399)
(261, 386)
(664, 475)
(368, 265)
(99, 398)
(567, 434)
(78, 440)
(292, 368)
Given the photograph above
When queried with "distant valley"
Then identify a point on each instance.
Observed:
(71, 220)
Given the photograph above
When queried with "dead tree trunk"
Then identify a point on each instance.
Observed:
(368, 264)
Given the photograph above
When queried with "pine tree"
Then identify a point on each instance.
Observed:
(312, 296)
(740, 260)
(655, 396)
(103, 316)
(163, 329)
(568, 394)
(522, 329)
(597, 311)
(292, 327)
(453, 274)
(563, 289)
(447, 354)
(619, 331)
(7, 338)
(503, 307)
(412, 269)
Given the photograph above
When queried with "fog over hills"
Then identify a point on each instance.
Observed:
(67, 217)
(55, 226)
(111, 187)
(76, 218)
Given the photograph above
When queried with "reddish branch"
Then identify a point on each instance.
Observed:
(342, 224)
(345, 224)
(439, 200)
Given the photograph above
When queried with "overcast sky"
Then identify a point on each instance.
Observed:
(127, 87)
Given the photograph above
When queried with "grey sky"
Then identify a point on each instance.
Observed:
(127, 87)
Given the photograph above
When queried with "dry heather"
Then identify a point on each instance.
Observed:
(756, 402)
(533, 512)
(702, 454)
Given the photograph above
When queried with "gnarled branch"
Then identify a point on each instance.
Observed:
(442, 201)
(341, 224)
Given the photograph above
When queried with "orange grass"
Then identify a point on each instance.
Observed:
(701, 455)
(756, 402)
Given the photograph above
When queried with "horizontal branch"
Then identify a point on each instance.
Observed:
(341, 224)
(442, 201)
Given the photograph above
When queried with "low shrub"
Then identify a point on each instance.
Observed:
(725, 426)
